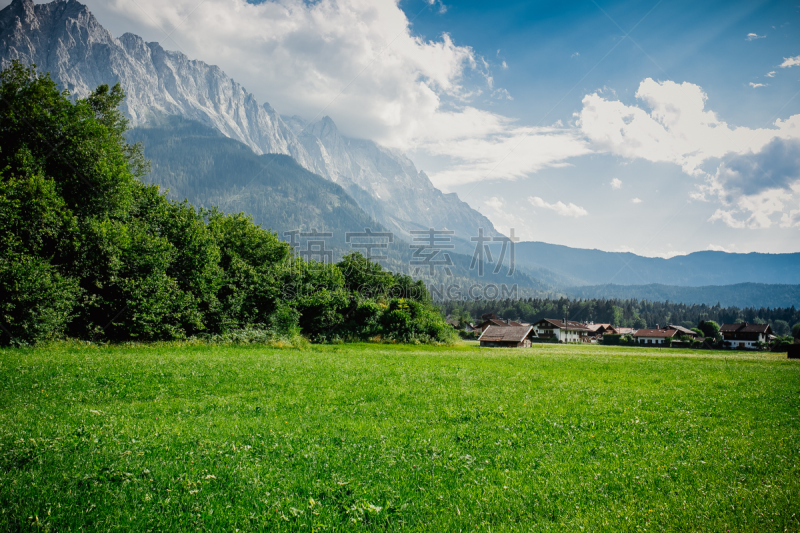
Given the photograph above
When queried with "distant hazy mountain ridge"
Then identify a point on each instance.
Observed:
(65, 39)
(596, 267)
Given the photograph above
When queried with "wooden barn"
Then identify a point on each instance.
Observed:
(507, 336)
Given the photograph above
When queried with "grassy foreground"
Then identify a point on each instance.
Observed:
(372, 437)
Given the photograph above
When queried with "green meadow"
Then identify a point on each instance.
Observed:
(388, 438)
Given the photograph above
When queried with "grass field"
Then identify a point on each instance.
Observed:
(375, 437)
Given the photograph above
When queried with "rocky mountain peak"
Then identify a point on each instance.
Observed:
(64, 39)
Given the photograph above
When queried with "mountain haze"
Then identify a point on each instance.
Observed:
(595, 267)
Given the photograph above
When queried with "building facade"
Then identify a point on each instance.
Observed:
(561, 331)
(744, 335)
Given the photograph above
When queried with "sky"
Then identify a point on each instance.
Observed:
(656, 127)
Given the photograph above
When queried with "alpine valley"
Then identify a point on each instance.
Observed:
(212, 143)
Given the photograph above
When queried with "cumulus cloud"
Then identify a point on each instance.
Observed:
(567, 210)
(757, 186)
(357, 61)
(790, 62)
(756, 211)
(770, 74)
(756, 85)
(616, 183)
(753, 37)
(636, 200)
(677, 128)
(775, 166)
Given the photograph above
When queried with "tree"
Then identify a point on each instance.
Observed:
(796, 331)
(781, 327)
(617, 316)
(709, 328)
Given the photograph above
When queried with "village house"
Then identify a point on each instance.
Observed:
(597, 330)
(561, 330)
(621, 331)
(745, 335)
(506, 336)
(655, 336)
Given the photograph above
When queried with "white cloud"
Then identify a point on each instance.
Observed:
(718, 248)
(502, 151)
(677, 128)
(504, 218)
(726, 217)
(636, 200)
(770, 74)
(753, 37)
(757, 211)
(790, 62)
(494, 203)
(355, 60)
(567, 210)
(756, 187)
(756, 85)
(576, 54)
(359, 62)
(616, 183)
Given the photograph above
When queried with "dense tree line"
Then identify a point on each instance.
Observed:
(625, 313)
(88, 251)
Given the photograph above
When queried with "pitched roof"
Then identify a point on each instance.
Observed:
(685, 331)
(656, 333)
(505, 333)
(744, 327)
(597, 327)
(500, 322)
(577, 326)
(625, 331)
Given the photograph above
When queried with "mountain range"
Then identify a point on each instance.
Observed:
(213, 143)
(66, 40)
(580, 267)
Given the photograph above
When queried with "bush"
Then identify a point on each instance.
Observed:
(612, 340)
(36, 301)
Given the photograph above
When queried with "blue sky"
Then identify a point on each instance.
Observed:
(557, 52)
(701, 42)
(654, 127)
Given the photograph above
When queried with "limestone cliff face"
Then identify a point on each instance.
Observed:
(64, 39)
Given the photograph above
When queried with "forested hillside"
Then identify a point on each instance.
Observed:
(739, 295)
(193, 162)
